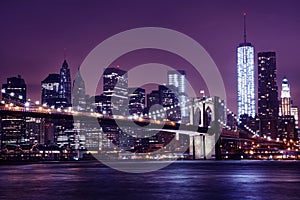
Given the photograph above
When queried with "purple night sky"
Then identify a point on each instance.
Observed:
(34, 34)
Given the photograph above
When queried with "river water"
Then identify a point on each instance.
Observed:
(180, 180)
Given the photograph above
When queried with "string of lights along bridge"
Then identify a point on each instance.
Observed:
(152, 116)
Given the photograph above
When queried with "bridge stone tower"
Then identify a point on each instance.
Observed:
(207, 112)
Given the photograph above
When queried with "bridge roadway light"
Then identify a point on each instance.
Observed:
(27, 104)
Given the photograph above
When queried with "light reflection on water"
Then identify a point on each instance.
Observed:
(181, 180)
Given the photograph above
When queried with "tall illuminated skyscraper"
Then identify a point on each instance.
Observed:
(245, 71)
(286, 108)
(65, 83)
(56, 88)
(178, 79)
(288, 114)
(285, 98)
(115, 91)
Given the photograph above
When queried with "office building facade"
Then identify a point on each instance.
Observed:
(14, 91)
(115, 88)
(50, 90)
(136, 101)
(268, 104)
(178, 79)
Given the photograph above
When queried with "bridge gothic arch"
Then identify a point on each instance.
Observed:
(208, 113)
(202, 111)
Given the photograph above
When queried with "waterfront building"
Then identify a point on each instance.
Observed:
(286, 127)
(13, 131)
(33, 131)
(13, 128)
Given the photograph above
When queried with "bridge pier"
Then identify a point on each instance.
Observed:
(210, 145)
(176, 136)
(202, 147)
(197, 147)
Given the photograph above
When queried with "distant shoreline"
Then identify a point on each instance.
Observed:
(2, 163)
(7, 163)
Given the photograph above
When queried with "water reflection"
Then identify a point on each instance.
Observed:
(181, 180)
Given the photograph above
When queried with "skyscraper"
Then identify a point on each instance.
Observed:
(14, 91)
(168, 98)
(295, 113)
(178, 79)
(288, 114)
(285, 98)
(115, 88)
(65, 83)
(50, 90)
(245, 71)
(136, 101)
(152, 98)
(79, 95)
(13, 128)
(268, 105)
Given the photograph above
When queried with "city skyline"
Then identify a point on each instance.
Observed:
(152, 99)
(43, 49)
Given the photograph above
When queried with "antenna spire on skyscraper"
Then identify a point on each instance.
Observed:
(65, 49)
(246, 90)
(245, 27)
